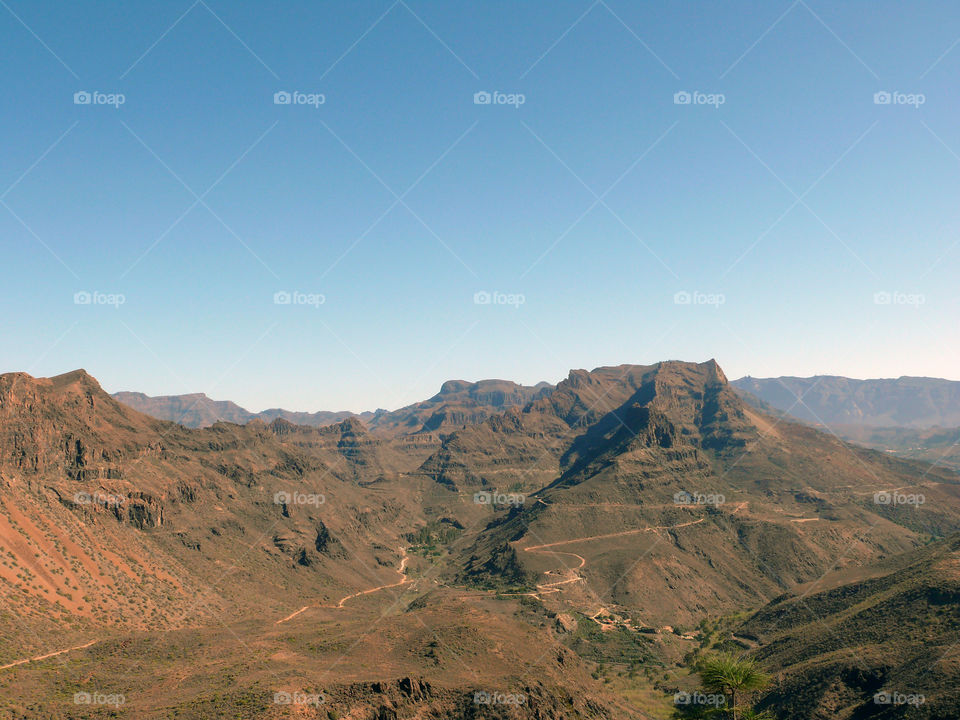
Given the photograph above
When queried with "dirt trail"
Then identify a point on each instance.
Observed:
(44, 657)
(534, 548)
(544, 588)
(401, 570)
(552, 587)
(292, 615)
(403, 581)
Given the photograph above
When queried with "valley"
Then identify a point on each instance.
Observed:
(562, 551)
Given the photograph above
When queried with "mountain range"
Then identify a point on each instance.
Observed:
(457, 404)
(911, 417)
(196, 410)
(556, 551)
(909, 402)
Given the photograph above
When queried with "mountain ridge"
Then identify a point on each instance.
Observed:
(576, 526)
(906, 401)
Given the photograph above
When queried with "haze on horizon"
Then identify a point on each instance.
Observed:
(797, 216)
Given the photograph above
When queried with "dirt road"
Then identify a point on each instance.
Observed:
(401, 570)
(44, 657)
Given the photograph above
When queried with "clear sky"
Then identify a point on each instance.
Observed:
(812, 225)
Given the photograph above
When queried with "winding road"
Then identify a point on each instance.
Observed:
(554, 586)
(401, 570)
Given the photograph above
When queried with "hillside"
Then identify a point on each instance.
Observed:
(254, 558)
(883, 646)
(407, 570)
(109, 516)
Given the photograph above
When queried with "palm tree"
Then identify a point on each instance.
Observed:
(729, 675)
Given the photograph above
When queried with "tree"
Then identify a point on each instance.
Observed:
(733, 677)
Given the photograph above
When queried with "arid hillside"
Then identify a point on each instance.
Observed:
(491, 552)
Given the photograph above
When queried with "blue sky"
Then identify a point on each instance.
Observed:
(785, 221)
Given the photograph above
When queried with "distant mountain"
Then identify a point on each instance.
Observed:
(196, 410)
(459, 403)
(910, 417)
(915, 402)
(879, 645)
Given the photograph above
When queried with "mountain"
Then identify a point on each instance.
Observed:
(256, 558)
(914, 418)
(914, 402)
(530, 553)
(663, 472)
(196, 410)
(883, 645)
(113, 517)
(457, 404)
